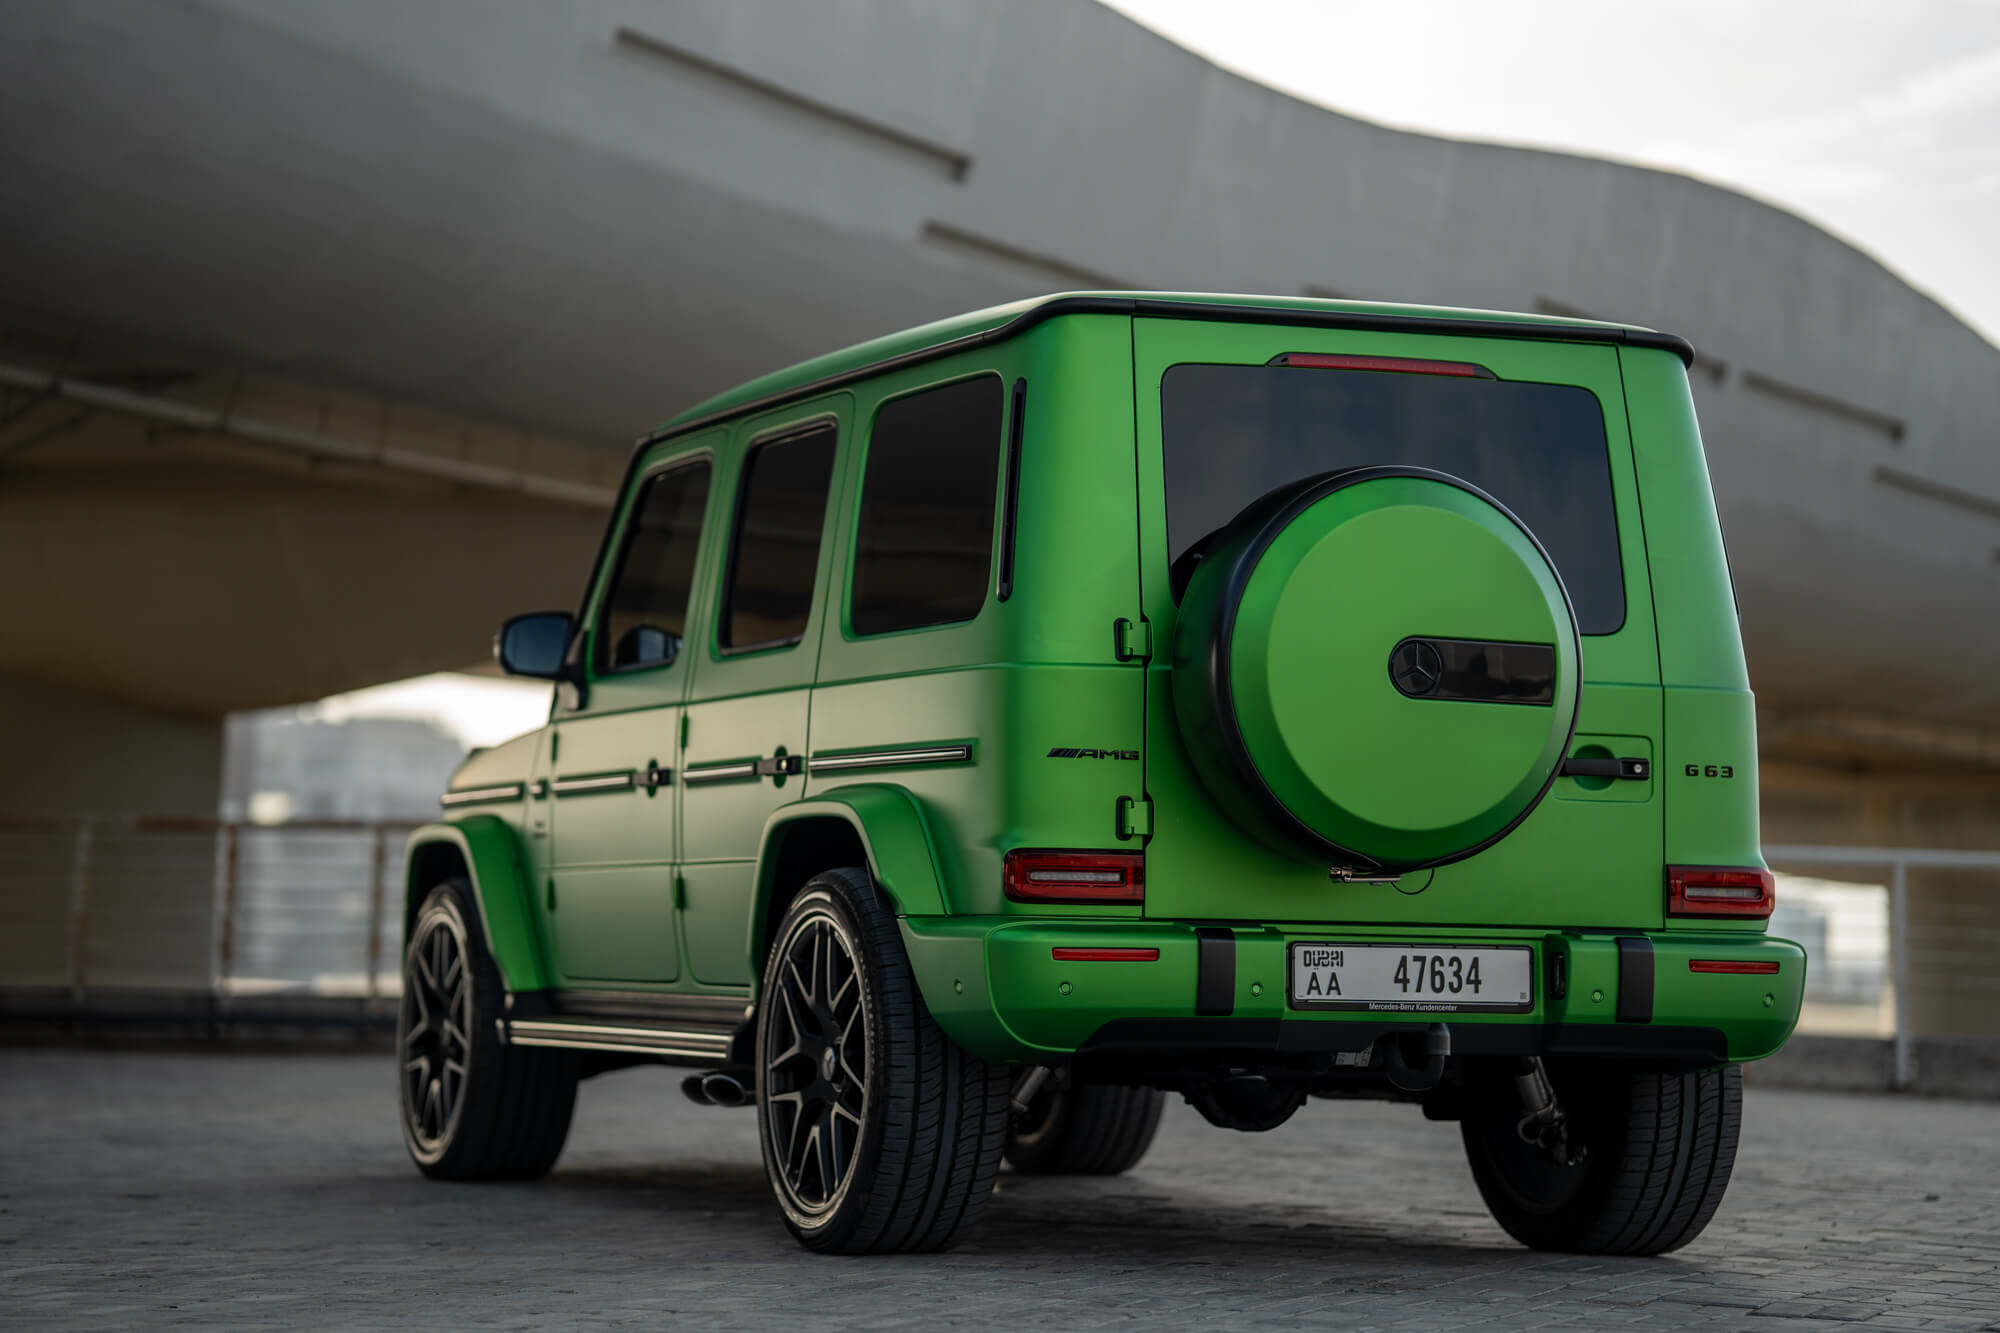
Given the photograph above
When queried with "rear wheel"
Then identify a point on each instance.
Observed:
(1087, 1131)
(879, 1133)
(1659, 1150)
(473, 1109)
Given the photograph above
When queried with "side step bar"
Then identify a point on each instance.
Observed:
(686, 1042)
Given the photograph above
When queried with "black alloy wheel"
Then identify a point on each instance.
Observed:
(473, 1107)
(435, 1023)
(880, 1135)
(817, 1077)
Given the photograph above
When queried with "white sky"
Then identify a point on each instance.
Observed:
(479, 710)
(1877, 119)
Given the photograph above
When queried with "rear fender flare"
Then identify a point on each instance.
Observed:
(487, 851)
(894, 835)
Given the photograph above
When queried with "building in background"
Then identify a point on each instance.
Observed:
(339, 320)
(282, 764)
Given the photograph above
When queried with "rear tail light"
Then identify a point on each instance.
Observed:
(1734, 967)
(1405, 365)
(1719, 891)
(1076, 877)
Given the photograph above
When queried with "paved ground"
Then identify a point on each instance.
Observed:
(150, 1189)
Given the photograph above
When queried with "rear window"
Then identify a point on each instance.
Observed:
(924, 552)
(1234, 433)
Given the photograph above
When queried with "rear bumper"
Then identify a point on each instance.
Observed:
(996, 987)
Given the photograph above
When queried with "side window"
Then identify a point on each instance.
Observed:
(924, 550)
(645, 613)
(774, 552)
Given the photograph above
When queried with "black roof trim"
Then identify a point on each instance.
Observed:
(1143, 308)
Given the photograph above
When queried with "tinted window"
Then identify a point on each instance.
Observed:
(645, 613)
(923, 554)
(1232, 433)
(776, 551)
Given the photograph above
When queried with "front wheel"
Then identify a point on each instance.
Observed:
(879, 1134)
(1659, 1148)
(473, 1109)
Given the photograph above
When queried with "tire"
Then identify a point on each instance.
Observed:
(879, 1134)
(472, 1108)
(1087, 1131)
(1660, 1150)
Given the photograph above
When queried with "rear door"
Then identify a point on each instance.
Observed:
(1545, 434)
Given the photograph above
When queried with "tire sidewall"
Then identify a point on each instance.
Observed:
(827, 898)
(1541, 1225)
(1041, 1147)
(448, 904)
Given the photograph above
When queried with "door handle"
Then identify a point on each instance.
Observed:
(1632, 770)
(780, 765)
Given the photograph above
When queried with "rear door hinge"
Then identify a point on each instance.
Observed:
(680, 893)
(1132, 640)
(1135, 818)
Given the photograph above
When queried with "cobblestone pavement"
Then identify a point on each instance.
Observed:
(260, 1190)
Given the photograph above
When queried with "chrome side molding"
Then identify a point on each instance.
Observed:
(494, 795)
(901, 757)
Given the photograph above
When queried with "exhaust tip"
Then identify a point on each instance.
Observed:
(720, 1089)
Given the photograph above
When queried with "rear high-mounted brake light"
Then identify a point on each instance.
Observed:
(1719, 891)
(1075, 877)
(1404, 365)
(1733, 967)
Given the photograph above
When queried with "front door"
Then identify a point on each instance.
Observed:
(611, 890)
(748, 701)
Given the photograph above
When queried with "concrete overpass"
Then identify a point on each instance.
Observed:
(324, 330)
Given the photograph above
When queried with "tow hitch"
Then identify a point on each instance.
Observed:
(1543, 1123)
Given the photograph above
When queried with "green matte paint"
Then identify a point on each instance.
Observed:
(1043, 672)
(1711, 717)
(488, 852)
(890, 824)
(1396, 779)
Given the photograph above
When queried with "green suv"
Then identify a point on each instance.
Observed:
(970, 737)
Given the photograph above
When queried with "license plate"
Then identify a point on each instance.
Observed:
(1412, 978)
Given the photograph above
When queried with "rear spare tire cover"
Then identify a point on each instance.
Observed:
(1377, 668)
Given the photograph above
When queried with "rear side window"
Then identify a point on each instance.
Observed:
(775, 552)
(924, 550)
(645, 613)
(1232, 433)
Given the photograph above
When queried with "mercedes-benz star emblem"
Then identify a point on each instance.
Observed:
(1416, 667)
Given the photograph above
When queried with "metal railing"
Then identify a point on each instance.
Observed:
(1982, 937)
(224, 907)
(239, 911)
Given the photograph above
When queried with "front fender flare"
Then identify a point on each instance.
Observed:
(490, 850)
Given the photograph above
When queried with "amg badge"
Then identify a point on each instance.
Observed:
(1065, 752)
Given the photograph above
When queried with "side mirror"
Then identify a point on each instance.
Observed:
(534, 644)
